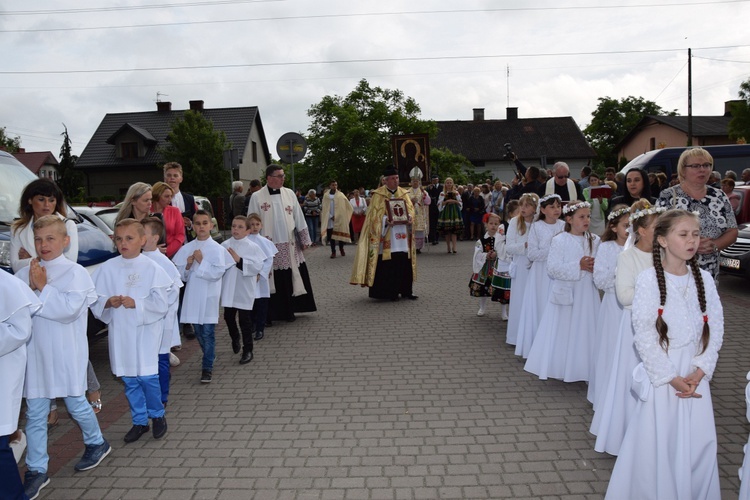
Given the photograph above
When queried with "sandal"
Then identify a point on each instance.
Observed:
(95, 400)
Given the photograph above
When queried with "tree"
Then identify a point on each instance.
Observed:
(7, 143)
(612, 120)
(198, 147)
(70, 180)
(446, 163)
(350, 137)
(739, 125)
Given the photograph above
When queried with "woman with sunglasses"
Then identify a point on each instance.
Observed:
(718, 224)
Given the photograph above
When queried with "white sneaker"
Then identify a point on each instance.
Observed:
(480, 312)
(173, 360)
(504, 312)
(18, 447)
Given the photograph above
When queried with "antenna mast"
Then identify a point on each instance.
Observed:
(507, 84)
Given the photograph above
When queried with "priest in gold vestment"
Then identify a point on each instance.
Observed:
(386, 259)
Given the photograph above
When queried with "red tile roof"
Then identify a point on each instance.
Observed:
(36, 160)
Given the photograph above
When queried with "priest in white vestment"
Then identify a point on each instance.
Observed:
(284, 224)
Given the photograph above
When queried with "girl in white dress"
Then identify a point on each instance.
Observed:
(610, 312)
(617, 403)
(669, 450)
(516, 242)
(563, 347)
(537, 287)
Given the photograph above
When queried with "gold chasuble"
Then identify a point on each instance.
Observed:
(376, 238)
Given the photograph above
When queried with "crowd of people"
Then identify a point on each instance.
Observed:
(610, 281)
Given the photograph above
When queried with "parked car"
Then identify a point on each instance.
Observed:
(730, 157)
(735, 259)
(205, 204)
(94, 247)
(101, 217)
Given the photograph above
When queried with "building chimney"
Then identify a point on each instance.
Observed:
(163, 106)
(728, 106)
(478, 114)
(511, 113)
(196, 106)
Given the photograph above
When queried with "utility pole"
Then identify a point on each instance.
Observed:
(690, 98)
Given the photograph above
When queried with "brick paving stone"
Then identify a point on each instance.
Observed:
(376, 400)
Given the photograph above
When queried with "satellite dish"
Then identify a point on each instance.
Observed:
(291, 147)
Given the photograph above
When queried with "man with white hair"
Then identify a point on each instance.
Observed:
(561, 185)
(237, 199)
(746, 176)
(715, 179)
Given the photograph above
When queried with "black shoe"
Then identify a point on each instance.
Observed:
(419, 251)
(258, 336)
(291, 319)
(135, 433)
(188, 332)
(411, 297)
(235, 346)
(206, 377)
(269, 323)
(246, 357)
(160, 427)
(394, 299)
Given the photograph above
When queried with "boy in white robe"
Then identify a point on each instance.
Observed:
(239, 287)
(154, 228)
(202, 263)
(16, 309)
(260, 307)
(58, 351)
(133, 299)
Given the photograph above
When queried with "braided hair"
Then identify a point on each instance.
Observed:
(663, 226)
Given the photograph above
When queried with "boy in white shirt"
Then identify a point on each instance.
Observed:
(18, 305)
(238, 287)
(260, 307)
(202, 263)
(154, 228)
(133, 299)
(58, 351)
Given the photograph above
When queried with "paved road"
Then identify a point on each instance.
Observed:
(377, 400)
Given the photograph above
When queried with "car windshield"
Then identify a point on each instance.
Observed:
(14, 178)
(108, 216)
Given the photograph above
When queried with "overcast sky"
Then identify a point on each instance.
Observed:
(73, 62)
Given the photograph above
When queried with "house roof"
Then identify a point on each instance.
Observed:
(484, 140)
(703, 126)
(36, 160)
(154, 126)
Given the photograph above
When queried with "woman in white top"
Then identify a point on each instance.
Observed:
(39, 198)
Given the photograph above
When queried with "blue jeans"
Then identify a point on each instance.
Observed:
(144, 398)
(207, 340)
(165, 376)
(10, 482)
(312, 228)
(37, 410)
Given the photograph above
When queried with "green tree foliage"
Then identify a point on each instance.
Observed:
(70, 180)
(739, 125)
(611, 122)
(449, 164)
(198, 147)
(350, 137)
(8, 143)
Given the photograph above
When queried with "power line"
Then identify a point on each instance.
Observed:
(130, 7)
(721, 60)
(365, 14)
(353, 61)
(670, 81)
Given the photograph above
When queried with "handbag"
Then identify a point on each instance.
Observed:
(561, 295)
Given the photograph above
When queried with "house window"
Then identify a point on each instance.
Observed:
(652, 144)
(254, 151)
(129, 150)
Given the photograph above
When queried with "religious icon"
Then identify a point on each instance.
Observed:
(411, 155)
(397, 212)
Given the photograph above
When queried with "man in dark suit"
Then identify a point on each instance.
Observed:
(434, 190)
(184, 201)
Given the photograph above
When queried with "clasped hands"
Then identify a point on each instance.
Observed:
(686, 386)
(120, 300)
(587, 264)
(37, 275)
